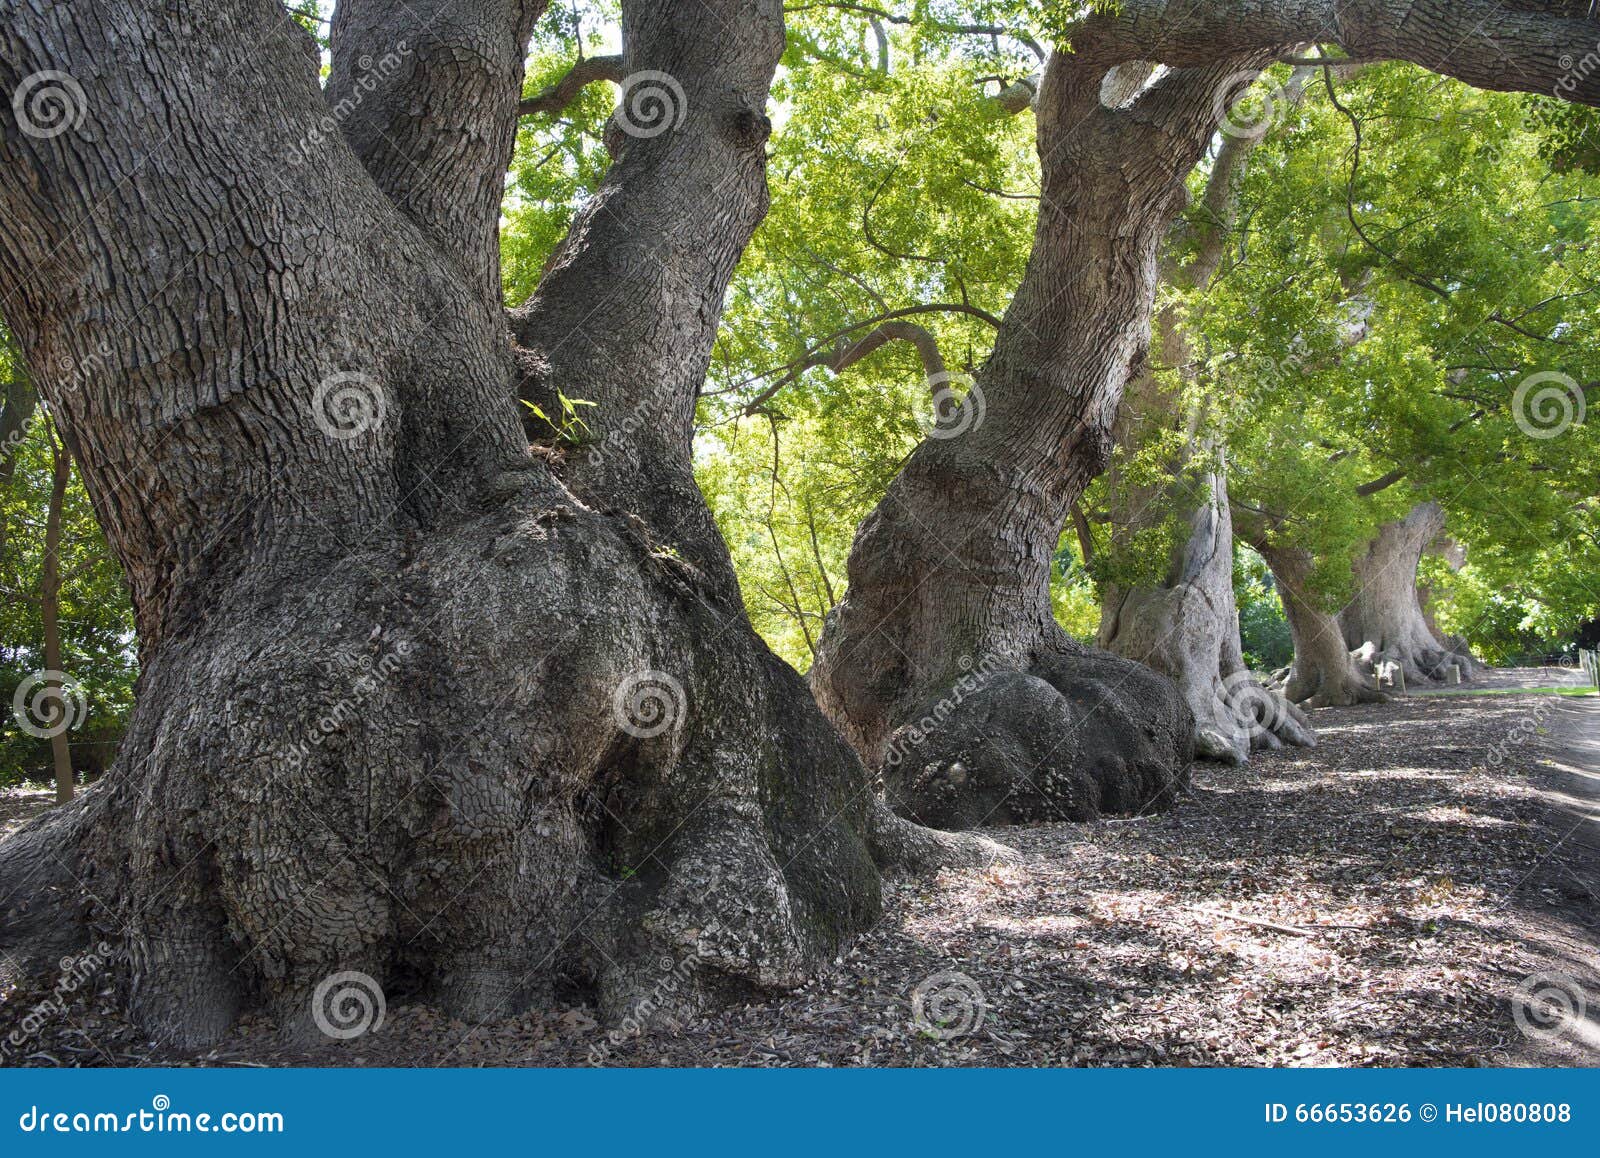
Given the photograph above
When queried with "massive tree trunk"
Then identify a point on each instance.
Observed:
(408, 706)
(943, 663)
(1187, 625)
(1323, 674)
(1384, 620)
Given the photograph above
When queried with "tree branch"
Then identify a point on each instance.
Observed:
(1501, 46)
(553, 98)
(1382, 483)
(812, 357)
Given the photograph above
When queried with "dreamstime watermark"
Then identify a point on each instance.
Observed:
(1295, 364)
(651, 103)
(348, 1004)
(1546, 1005)
(70, 372)
(648, 703)
(370, 73)
(1255, 109)
(958, 405)
(48, 703)
(676, 976)
(948, 1005)
(1547, 404)
(47, 104)
(970, 680)
(367, 676)
(1524, 730)
(1576, 70)
(347, 404)
(159, 1119)
(76, 972)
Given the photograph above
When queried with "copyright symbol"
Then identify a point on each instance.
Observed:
(1429, 1112)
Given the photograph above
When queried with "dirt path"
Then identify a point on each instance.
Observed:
(1376, 901)
(1571, 784)
(1518, 678)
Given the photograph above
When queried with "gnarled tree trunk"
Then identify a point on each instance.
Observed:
(1187, 628)
(1323, 674)
(1384, 621)
(408, 706)
(943, 664)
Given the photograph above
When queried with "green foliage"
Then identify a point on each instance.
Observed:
(1264, 632)
(569, 427)
(1074, 594)
(1568, 134)
(559, 161)
(1381, 317)
(96, 619)
(891, 191)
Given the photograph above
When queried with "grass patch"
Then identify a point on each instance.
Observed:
(1546, 691)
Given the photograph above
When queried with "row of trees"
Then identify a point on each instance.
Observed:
(1305, 338)
(269, 317)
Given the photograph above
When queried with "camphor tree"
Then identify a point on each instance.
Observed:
(954, 563)
(267, 316)
(914, 266)
(563, 753)
(1417, 289)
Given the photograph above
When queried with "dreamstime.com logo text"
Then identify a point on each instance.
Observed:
(160, 1118)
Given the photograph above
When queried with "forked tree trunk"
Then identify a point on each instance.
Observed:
(1323, 674)
(943, 664)
(407, 706)
(1384, 621)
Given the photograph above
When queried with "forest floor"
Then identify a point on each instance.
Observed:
(1378, 900)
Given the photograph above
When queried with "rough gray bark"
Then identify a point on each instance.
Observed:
(943, 663)
(408, 706)
(657, 244)
(1186, 626)
(1511, 46)
(1384, 621)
